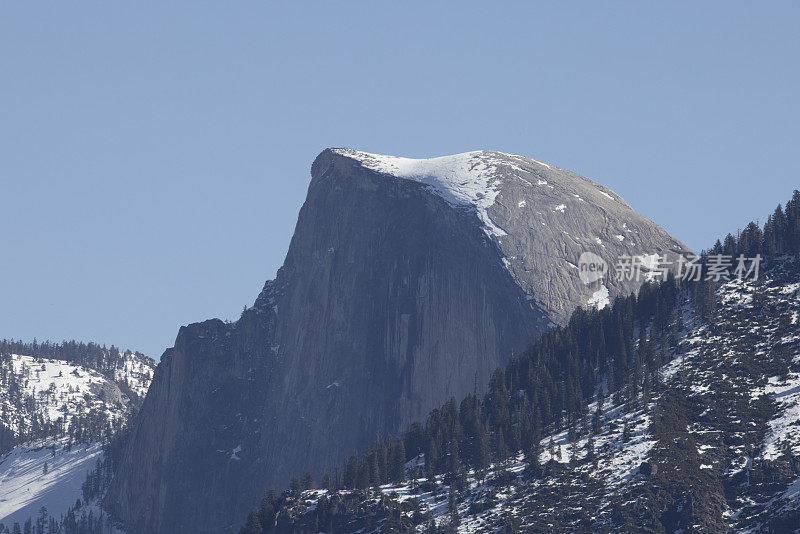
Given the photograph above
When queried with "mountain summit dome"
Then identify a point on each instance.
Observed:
(540, 216)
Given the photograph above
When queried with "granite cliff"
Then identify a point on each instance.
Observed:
(406, 282)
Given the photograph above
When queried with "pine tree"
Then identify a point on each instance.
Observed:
(397, 461)
(706, 298)
(363, 481)
(383, 462)
(266, 511)
(351, 473)
(729, 245)
(430, 460)
(308, 481)
(590, 454)
(453, 460)
(597, 419)
(453, 508)
(501, 450)
(572, 436)
(532, 454)
(253, 524)
(779, 230)
(482, 447)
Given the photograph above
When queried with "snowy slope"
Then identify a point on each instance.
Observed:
(58, 412)
(25, 487)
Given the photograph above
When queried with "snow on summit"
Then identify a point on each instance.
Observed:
(474, 179)
(463, 180)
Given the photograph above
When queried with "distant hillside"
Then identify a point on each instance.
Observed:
(59, 405)
(49, 390)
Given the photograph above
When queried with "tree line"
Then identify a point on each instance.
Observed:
(98, 357)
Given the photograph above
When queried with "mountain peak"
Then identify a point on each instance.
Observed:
(455, 174)
(540, 216)
(469, 179)
(475, 178)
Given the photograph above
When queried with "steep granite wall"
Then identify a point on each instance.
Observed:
(405, 283)
(389, 302)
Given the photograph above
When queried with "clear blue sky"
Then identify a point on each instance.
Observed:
(153, 158)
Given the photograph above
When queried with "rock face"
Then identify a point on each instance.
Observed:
(406, 282)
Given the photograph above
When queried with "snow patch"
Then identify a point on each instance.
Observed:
(542, 163)
(462, 180)
(600, 298)
(783, 428)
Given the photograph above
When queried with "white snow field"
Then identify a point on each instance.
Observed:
(51, 390)
(25, 487)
